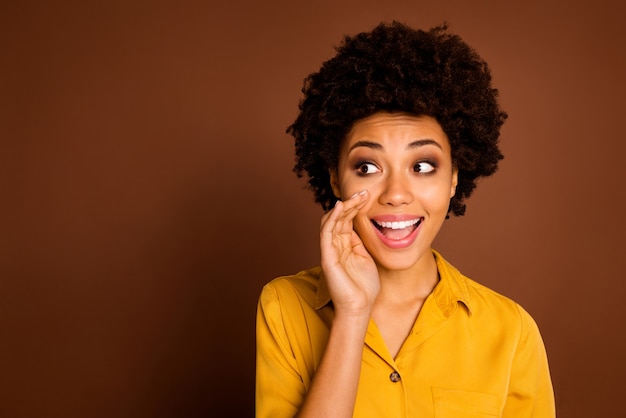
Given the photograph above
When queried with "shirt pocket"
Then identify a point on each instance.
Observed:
(464, 404)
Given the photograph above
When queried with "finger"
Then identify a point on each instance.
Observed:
(330, 217)
(327, 236)
(336, 228)
(357, 200)
(337, 225)
(349, 210)
(332, 221)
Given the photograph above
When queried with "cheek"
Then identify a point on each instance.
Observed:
(362, 221)
(349, 187)
(436, 196)
(362, 225)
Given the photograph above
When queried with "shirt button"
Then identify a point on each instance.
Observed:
(394, 377)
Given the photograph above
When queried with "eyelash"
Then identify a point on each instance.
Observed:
(430, 163)
(359, 166)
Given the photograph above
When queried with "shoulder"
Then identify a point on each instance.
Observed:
(485, 296)
(500, 309)
(485, 303)
(298, 288)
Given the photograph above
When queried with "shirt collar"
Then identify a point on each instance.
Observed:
(451, 289)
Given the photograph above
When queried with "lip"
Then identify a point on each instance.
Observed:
(395, 217)
(401, 243)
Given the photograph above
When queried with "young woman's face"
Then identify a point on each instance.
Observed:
(404, 162)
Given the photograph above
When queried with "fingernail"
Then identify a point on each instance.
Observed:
(361, 193)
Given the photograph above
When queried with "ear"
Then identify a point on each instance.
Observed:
(334, 182)
(455, 181)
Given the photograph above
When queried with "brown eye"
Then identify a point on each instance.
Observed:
(424, 167)
(367, 168)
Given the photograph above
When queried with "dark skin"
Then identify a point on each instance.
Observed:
(395, 178)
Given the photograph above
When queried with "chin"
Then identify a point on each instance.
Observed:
(399, 261)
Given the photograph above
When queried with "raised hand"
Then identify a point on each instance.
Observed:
(350, 271)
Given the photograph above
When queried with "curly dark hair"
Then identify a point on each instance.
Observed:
(397, 68)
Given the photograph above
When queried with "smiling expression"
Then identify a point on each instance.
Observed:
(404, 162)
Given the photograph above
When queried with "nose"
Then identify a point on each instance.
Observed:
(397, 190)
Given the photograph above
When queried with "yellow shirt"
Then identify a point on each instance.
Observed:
(471, 353)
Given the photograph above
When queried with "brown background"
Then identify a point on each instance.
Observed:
(147, 192)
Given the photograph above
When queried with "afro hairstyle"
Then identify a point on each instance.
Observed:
(395, 68)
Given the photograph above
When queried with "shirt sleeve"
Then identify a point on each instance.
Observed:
(279, 387)
(530, 389)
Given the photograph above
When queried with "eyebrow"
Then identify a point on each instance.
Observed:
(377, 146)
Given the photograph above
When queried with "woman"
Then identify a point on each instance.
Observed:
(393, 133)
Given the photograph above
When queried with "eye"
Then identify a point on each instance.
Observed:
(424, 167)
(367, 168)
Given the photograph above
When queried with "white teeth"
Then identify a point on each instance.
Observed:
(398, 225)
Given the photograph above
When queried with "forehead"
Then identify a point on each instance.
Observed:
(397, 127)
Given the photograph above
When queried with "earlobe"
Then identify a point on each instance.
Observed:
(334, 183)
(455, 181)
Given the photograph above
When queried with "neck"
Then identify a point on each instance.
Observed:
(398, 286)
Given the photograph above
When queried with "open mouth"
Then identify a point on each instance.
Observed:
(397, 230)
